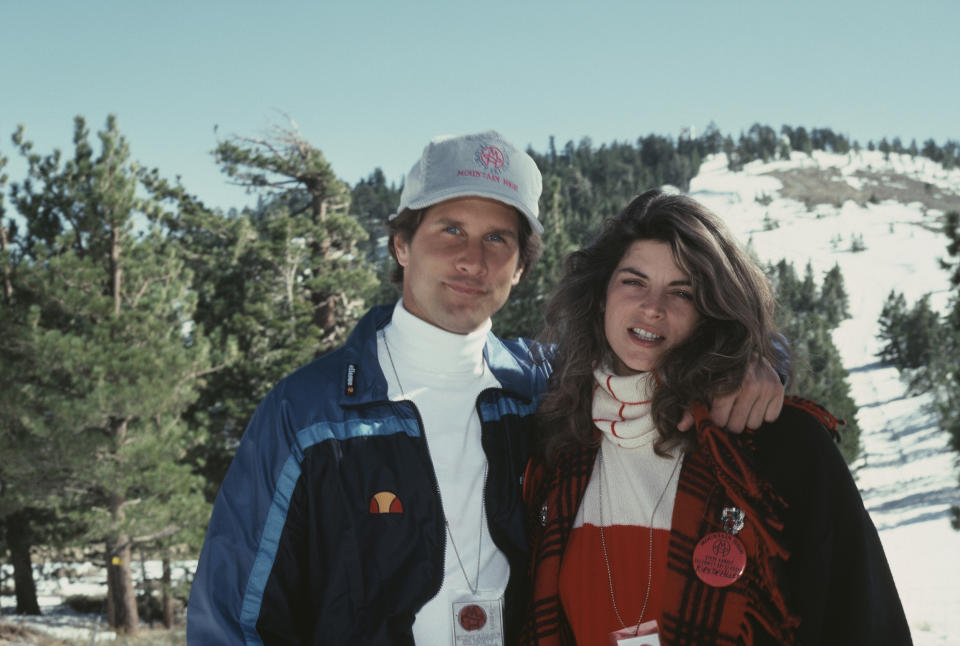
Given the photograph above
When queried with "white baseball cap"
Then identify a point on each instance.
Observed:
(480, 165)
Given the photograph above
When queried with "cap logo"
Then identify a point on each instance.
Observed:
(492, 158)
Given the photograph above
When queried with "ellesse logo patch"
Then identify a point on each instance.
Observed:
(385, 502)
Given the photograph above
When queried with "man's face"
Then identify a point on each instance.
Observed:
(461, 262)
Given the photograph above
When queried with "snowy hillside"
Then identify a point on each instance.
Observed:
(906, 472)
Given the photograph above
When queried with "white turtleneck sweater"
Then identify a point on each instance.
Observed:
(442, 374)
(633, 475)
(639, 490)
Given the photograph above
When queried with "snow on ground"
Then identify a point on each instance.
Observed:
(57, 582)
(906, 472)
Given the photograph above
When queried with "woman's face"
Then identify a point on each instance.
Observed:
(649, 307)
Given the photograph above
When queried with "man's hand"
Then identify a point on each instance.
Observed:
(759, 399)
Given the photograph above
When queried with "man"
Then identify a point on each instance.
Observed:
(375, 496)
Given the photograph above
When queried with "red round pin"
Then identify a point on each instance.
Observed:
(719, 559)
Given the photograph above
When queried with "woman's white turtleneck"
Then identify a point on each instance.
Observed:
(442, 374)
(633, 475)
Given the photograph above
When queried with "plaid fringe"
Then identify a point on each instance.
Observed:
(552, 500)
(696, 613)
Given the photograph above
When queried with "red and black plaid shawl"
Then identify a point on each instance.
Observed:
(721, 472)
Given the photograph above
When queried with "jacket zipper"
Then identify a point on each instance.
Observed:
(436, 486)
(443, 515)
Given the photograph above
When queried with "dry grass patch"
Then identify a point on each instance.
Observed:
(814, 186)
(14, 635)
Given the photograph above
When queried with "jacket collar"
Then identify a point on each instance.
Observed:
(513, 367)
(362, 379)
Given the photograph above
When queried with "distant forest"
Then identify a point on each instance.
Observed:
(141, 326)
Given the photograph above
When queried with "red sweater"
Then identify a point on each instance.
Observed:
(585, 588)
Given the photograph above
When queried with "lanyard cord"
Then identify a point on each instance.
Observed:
(483, 500)
(476, 586)
(603, 543)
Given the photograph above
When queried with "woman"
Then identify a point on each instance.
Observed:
(721, 539)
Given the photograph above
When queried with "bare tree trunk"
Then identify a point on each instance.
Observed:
(7, 285)
(318, 204)
(116, 272)
(146, 590)
(18, 540)
(325, 312)
(121, 595)
(166, 583)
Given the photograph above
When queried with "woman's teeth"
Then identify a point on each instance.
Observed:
(643, 335)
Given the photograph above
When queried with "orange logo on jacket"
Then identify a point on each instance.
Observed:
(385, 502)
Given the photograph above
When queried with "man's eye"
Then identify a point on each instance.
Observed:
(496, 237)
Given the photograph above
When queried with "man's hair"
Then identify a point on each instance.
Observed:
(731, 294)
(407, 223)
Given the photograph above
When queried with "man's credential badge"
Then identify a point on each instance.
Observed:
(719, 559)
(477, 618)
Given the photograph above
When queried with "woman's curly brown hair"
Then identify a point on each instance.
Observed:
(731, 293)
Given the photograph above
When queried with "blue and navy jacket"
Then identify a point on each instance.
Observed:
(328, 528)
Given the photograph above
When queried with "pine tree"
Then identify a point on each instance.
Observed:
(912, 339)
(29, 470)
(951, 227)
(115, 352)
(284, 163)
(801, 141)
(17, 488)
(951, 154)
(885, 148)
(944, 374)
(734, 162)
(711, 142)
(944, 371)
(278, 285)
(891, 325)
(372, 202)
(35, 464)
(931, 150)
(818, 372)
(763, 142)
(806, 299)
(522, 316)
(922, 328)
(834, 302)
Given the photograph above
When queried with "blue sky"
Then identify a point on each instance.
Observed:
(370, 82)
